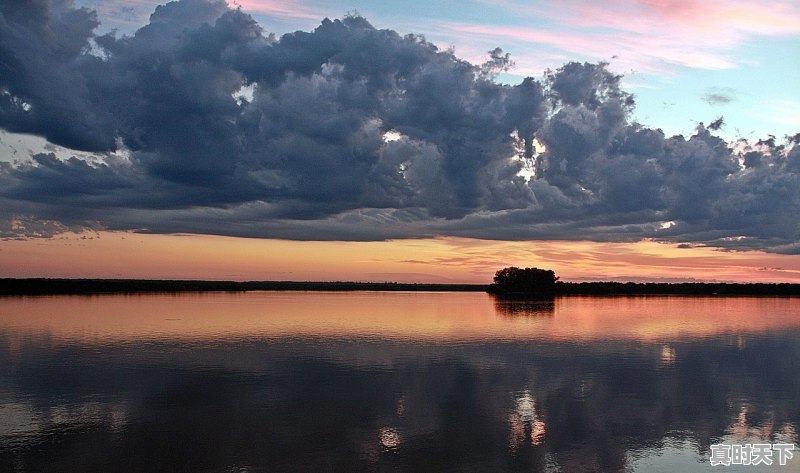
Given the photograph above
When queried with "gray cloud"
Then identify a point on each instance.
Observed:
(719, 96)
(202, 122)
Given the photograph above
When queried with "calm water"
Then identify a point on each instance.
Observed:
(393, 382)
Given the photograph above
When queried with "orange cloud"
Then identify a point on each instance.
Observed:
(130, 255)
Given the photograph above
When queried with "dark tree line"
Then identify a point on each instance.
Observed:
(511, 281)
(43, 286)
(688, 289)
(535, 282)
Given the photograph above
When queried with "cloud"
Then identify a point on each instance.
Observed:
(201, 122)
(719, 96)
(715, 19)
(276, 8)
(642, 35)
(124, 16)
(632, 50)
(782, 112)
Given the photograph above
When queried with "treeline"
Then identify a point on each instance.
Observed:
(521, 283)
(42, 286)
(693, 288)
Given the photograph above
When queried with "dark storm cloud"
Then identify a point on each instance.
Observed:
(44, 85)
(202, 122)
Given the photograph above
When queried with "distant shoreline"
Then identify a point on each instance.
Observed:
(48, 286)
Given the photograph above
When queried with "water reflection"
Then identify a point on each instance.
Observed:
(525, 308)
(525, 424)
(390, 438)
(668, 355)
(411, 382)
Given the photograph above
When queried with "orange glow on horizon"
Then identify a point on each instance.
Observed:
(438, 260)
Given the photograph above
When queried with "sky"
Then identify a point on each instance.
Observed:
(400, 141)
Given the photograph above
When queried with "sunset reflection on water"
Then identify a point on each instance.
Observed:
(366, 381)
(445, 317)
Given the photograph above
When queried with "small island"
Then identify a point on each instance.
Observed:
(516, 282)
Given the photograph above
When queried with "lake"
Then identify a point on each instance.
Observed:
(375, 381)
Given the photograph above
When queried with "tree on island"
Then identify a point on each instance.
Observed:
(524, 282)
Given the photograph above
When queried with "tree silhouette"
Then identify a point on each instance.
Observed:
(527, 281)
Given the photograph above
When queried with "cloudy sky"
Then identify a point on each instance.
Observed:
(430, 141)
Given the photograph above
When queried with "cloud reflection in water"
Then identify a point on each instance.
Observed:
(420, 382)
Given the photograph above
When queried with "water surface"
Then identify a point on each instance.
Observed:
(298, 381)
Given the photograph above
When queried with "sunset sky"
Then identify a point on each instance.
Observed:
(383, 141)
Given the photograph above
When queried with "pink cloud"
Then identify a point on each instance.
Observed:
(278, 8)
(632, 51)
(673, 17)
(645, 35)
